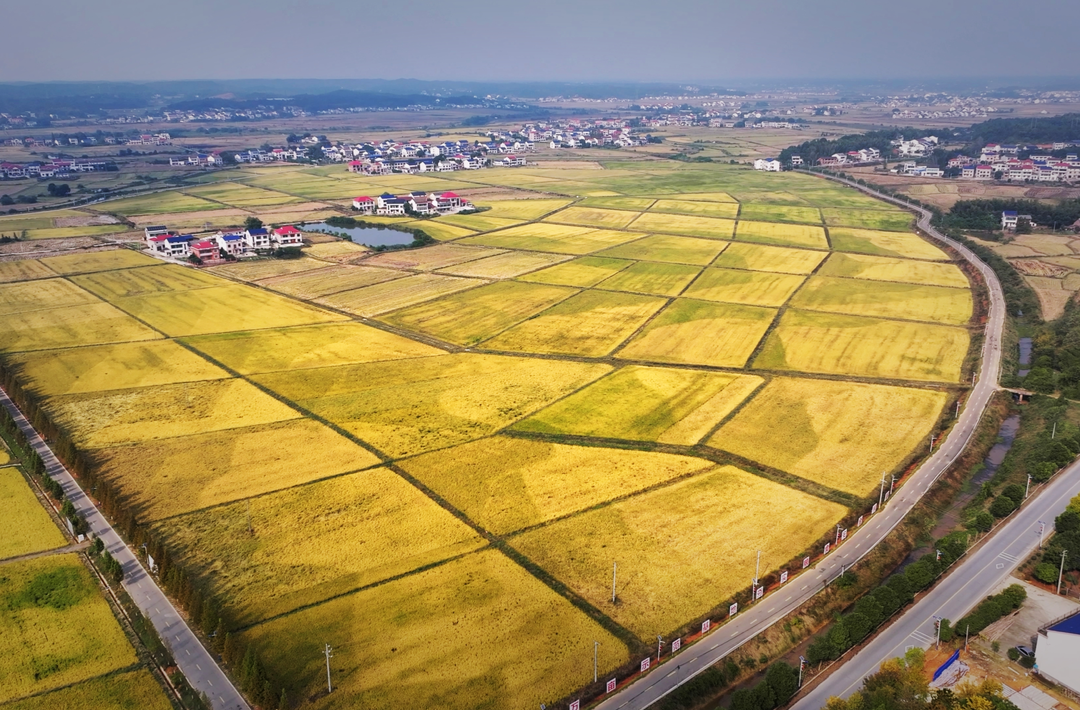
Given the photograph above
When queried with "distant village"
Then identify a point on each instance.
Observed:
(163, 241)
(414, 203)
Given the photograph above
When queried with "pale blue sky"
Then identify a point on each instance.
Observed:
(670, 40)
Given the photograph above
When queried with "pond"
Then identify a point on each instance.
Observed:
(368, 236)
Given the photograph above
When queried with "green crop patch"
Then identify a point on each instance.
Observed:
(650, 278)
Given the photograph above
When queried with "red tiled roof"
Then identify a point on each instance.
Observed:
(449, 196)
(363, 199)
(287, 229)
(204, 245)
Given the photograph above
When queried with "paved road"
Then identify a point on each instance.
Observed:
(193, 659)
(966, 585)
(779, 603)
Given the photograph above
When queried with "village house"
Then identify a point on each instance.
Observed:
(288, 236)
(363, 204)
(205, 250)
(768, 165)
(390, 205)
(233, 243)
(257, 238)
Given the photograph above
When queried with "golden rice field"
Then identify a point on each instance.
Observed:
(477, 222)
(757, 257)
(681, 549)
(754, 288)
(94, 324)
(879, 243)
(889, 220)
(840, 434)
(667, 405)
(676, 250)
(445, 232)
(166, 477)
(24, 271)
(25, 526)
(293, 555)
(340, 250)
(431, 258)
(726, 210)
(97, 261)
(111, 285)
(866, 347)
(332, 279)
(583, 272)
(937, 304)
(414, 641)
(558, 238)
(55, 627)
(594, 217)
(266, 268)
(801, 235)
(504, 266)
(780, 213)
(130, 690)
(523, 210)
(399, 293)
(684, 224)
(31, 296)
(634, 204)
(878, 268)
(654, 279)
(691, 332)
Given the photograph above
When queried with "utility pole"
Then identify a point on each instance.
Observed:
(614, 570)
(837, 535)
(659, 647)
(957, 408)
(329, 655)
(802, 662)
(932, 438)
(757, 571)
(1061, 571)
(966, 630)
(892, 485)
(881, 493)
(937, 626)
(1054, 432)
(595, 649)
(1042, 527)
(1027, 487)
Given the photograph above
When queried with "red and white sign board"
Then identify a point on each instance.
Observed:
(887, 495)
(828, 546)
(783, 577)
(760, 593)
(873, 509)
(706, 625)
(843, 534)
(576, 705)
(805, 562)
(733, 609)
(645, 664)
(859, 524)
(610, 686)
(676, 645)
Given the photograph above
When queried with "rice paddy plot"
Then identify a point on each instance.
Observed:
(405, 407)
(37, 220)
(669, 249)
(111, 367)
(504, 266)
(97, 419)
(310, 187)
(771, 196)
(168, 202)
(866, 347)
(111, 285)
(399, 293)
(237, 195)
(726, 210)
(475, 315)
(505, 484)
(430, 258)
(651, 278)
(445, 232)
(839, 434)
(67, 232)
(413, 642)
(29, 296)
(799, 235)
(105, 260)
(842, 197)
(292, 556)
(332, 279)
(756, 257)
(684, 224)
(582, 272)
(266, 268)
(171, 476)
(25, 527)
(592, 323)
(755, 288)
(94, 324)
(339, 250)
(882, 268)
(634, 204)
(661, 404)
(888, 220)
(558, 238)
(681, 549)
(707, 197)
(522, 210)
(594, 217)
(880, 243)
(780, 213)
(220, 309)
(25, 270)
(885, 300)
(477, 222)
(55, 628)
(701, 333)
(133, 690)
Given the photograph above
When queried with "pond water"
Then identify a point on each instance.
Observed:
(368, 236)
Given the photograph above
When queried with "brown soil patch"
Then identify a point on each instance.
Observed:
(1032, 267)
(88, 221)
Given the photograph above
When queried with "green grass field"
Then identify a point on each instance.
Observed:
(897, 221)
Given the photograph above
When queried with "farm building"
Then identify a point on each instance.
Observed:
(287, 236)
(1056, 650)
(767, 164)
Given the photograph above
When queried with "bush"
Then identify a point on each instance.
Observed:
(1014, 491)
(1027, 661)
(1002, 506)
(983, 522)
(1046, 572)
(1013, 654)
(1069, 521)
(947, 633)
(993, 608)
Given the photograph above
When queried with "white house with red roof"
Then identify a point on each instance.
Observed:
(364, 204)
(205, 250)
(287, 236)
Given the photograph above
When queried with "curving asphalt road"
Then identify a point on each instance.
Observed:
(196, 663)
(725, 639)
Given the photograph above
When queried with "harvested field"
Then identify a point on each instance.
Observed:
(1031, 267)
(338, 250)
(670, 249)
(177, 475)
(133, 690)
(756, 257)
(105, 260)
(504, 266)
(897, 221)
(399, 293)
(885, 300)
(701, 333)
(754, 288)
(67, 327)
(584, 272)
(25, 270)
(1046, 244)
(475, 315)
(37, 296)
(109, 418)
(317, 283)
(661, 404)
(782, 234)
(406, 407)
(650, 278)
(685, 224)
(305, 347)
(726, 210)
(293, 558)
(434, 619)
(429, 258)
(111, 285)
(544, 236)
(41, 220)
(718, 516)
(55, 628)
(265, 268)
(25, 526)
(878, 243)
(865, 347)
(840, 434)
(592, 323)
(881, 268)
(594, 217)
(506, 484)
(780, 213)
(111, 367)
(1014, 251)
